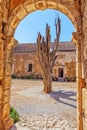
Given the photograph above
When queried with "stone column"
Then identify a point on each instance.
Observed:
(5, 69)
(85, 40)
(1, 80)
(80, 81)
(1, 67)
(79, 86)
(7, 121)
(84, 24)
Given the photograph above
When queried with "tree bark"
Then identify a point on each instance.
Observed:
(47, 85)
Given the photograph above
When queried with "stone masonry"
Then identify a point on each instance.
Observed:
(11, 13)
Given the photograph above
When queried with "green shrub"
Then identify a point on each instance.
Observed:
(14, 114)
(14, 76)
(23, 77)
(27, 77)
(30, 77)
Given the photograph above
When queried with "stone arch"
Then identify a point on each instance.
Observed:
(25, 8)
(16, 13)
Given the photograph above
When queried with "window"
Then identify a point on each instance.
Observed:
(29, 67)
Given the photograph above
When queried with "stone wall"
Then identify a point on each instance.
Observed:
(84, 60)
(21, 61)
(65, 60)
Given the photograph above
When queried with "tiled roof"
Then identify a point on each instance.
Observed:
(25, 48)
(31, 47)
(67, 46)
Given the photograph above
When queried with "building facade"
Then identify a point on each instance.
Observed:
(25, 61)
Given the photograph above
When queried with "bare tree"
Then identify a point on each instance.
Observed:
(47, 54)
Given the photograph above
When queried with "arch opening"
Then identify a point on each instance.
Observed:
(36, 22)
(26, 8)
(65, 93)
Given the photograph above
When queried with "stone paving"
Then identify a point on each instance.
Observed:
(41, 111)
(43, 122)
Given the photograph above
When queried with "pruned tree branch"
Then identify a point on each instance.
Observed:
(58, 29)
(46, 57)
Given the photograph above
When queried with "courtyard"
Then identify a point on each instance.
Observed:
(41, 111)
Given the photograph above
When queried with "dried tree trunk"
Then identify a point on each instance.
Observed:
(47, 81)
(47, 58)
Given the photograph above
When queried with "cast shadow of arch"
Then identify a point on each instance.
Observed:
(62, 94)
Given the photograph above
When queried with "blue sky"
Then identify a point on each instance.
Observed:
(28, 28)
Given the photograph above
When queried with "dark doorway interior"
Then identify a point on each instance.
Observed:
(60, 72)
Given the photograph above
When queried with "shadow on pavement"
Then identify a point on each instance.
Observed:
(62, 94)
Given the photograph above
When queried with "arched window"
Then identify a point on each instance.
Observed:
(30, 67)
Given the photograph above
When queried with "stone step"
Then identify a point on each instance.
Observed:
(61, 79)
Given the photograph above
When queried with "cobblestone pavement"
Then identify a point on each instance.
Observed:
(41, 111)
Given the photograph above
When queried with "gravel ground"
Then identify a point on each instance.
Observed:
(40, 111)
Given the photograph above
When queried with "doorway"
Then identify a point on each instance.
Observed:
(60, 72)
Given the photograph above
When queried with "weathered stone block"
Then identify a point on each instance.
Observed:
(8, 122)
(1, 122)
(1, 45)
(29, 7)
(1, 54)
(8, 68)
(85, 73)
(1, 91)
(6, 110)
(1, 79)
(84, 104)
(8, 30)
(21, 13)
(8, 56)
(29, 1)
(1, 100)
(41, 4)
(52, 4)
(11, 42)
(7, 82)
(0, 108)
(82, 83)
(7, 93)
(14, 22)
(6, 99)
(1, 67)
